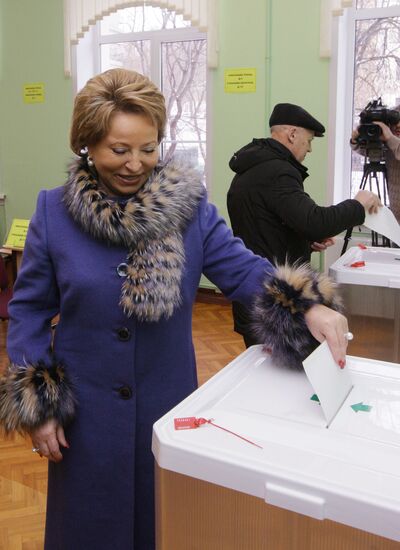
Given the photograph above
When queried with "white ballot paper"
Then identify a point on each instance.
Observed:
(331, 383)
(384, 223)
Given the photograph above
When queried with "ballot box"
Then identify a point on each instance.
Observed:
(369, 279)
(268, 474)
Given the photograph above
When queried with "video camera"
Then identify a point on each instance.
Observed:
(369, 134)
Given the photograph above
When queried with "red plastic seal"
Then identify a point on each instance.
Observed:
(187, 423)
(358, 264)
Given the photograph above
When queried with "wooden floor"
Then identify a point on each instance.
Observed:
(23, 474)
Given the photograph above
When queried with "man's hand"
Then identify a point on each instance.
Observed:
(369, 200)
(322, 245)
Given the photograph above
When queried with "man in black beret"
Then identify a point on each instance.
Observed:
(268, 207)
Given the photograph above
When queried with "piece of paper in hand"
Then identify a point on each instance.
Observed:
(384, 223)
(331, 383)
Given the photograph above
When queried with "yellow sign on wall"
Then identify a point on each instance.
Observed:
(17, 234)
(239, 81)
(34, 92)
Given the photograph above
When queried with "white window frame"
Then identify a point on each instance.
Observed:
(86, 62)
(342, 96)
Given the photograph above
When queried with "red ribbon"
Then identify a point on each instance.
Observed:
(200, 421)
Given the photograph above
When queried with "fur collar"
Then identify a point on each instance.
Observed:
(165, 203)
(149, 224)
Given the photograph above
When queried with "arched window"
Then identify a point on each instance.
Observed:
(164, 46)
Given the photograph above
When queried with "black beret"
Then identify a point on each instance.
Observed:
(293, 115)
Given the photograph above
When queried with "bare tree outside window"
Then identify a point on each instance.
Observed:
(376, 69)
(183, 82)
(140, 19)
(134, 56)
(365, 4)
(182, 78)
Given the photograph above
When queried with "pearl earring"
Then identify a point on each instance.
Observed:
(85, 153)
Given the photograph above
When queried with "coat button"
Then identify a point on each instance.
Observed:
(122, 270)
(125, 392)
(124, 334)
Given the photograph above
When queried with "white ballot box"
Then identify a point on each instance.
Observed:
(268, 474)
(370, 283)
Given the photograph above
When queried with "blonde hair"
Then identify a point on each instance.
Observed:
(116, 90)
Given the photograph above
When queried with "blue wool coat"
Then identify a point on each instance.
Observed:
(126, 373)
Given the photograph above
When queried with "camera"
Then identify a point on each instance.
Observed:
(369, 133)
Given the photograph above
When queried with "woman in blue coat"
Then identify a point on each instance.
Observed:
(118, 252)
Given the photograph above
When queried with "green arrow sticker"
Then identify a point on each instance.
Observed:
(361, 407)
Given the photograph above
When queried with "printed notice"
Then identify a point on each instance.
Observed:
(239, 81)
(34, 92)
(17, 234)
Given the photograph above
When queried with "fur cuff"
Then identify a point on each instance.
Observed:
(278, 314)
(30, 395)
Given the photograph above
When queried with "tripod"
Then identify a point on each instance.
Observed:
(371, 171)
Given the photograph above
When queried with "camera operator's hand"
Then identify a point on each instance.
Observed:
(369, 200)
(354, 136)
(386, 132)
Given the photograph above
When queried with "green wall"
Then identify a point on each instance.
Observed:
(237, 118)
(298, 75)
(34, 138)
(280, 38)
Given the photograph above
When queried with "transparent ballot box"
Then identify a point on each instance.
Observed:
(268, 474)
(369, 280)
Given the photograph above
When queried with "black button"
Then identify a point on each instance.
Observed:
(124, 334)
(125, 392)
(122, 270)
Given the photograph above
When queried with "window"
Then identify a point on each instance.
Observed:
(163, 46)
(368, 68)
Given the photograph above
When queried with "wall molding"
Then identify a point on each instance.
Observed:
(330, 9)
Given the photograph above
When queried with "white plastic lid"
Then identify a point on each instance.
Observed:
(381, 267)
(347, 473)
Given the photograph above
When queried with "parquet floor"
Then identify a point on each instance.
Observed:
(23, 474)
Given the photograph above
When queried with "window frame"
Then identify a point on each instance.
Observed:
(342, 96)
(90, 50)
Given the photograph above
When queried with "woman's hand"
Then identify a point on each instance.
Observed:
(326, 324)
(48, 438)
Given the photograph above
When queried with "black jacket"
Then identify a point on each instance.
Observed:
(270, 210)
